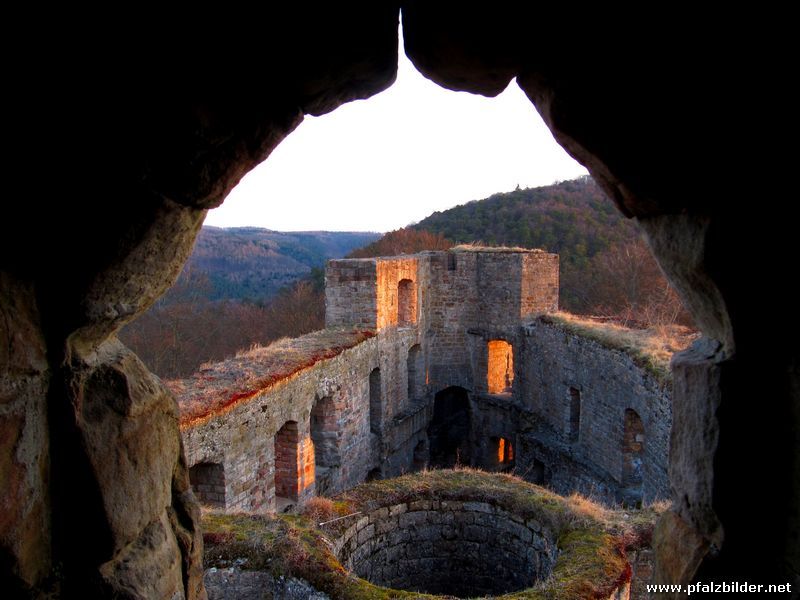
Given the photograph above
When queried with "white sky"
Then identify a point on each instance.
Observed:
(393, 159)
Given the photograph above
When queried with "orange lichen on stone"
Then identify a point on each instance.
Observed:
(219, 387)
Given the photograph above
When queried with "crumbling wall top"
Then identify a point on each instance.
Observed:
(218, 387)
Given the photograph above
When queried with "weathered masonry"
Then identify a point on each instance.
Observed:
(428, 360)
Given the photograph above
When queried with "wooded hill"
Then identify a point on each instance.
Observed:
(250, 263)
(573, 218)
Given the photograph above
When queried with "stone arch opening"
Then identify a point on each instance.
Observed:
(449, 431)
(500, 367)
(294, 466)
(375, 401)
(325, 436)
(208, 483)
(632, 457)
(406, 303)
(415, 372)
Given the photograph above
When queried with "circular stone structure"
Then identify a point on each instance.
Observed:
(458, 548)
(466, 533)
(434, 534)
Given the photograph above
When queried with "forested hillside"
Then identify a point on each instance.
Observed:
(573, 218)
(240, 286)
(248, 263)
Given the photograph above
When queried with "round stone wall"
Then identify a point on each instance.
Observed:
(464, 549)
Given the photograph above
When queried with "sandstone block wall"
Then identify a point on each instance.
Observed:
(366, 292)
(208, 483)
(244, 439)
(351, 298)
(478, 293)
(609, 382)
(540, 280)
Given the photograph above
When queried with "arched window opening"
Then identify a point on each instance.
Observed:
(500, 372)
(294, 465)
(449, 430)
(415, 371)
(406, 303)
(420, 459)
(574, 414)
(539, 473)
(505, 451)
(452, 263)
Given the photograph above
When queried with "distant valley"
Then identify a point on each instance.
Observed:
(253, 264)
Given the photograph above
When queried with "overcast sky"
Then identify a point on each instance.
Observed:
(383, 163)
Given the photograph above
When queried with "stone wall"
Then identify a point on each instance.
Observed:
(470, 297)
(244, 439)
(366, 292)
(554, 368)
(351, 298)
(329, 404)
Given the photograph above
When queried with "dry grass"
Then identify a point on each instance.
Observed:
(586, 508)
(479, 247)
(650, 348)
(322, 510)
(219, 386)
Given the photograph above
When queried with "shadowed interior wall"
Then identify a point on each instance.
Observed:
(449, 430)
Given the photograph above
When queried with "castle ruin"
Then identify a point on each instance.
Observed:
(428, 360)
